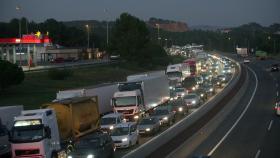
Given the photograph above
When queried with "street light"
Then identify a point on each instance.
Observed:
(107, 40)
(157, 25)
(18, 8)
(87, 27)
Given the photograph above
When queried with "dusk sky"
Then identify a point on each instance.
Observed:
(193, 12)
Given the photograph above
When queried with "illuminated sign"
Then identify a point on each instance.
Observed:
(27, 123)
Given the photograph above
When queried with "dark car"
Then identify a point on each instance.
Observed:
(178, 105)
(202, 93)
(209, 89)
(149, 126)
(97, 145)
(274, 67)
(217, 82)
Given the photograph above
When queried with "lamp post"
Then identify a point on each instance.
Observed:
(18, 8)
(87, 27)
(157, 25)
(107, 29)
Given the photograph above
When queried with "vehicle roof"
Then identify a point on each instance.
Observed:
(112, 115)
(126, 124)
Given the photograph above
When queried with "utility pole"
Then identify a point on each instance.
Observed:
(107, 29)
(18, 8)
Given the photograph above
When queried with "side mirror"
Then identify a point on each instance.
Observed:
(48, 132)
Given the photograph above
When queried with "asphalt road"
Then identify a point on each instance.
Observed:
(257, 134)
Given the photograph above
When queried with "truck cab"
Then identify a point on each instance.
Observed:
(35, 134)
(129, 103)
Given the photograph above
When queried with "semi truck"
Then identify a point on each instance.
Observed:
(141, 93)
(104, 92)
(42, 132)
(175, 74)
(35, 134)
(7, 114)
(191, 64)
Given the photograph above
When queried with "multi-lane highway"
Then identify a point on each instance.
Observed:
(249, 127)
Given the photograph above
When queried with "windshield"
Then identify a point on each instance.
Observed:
(146, 122)
(190, 96)
(174, 74)
(88, 143)
(119, 131)
(28, 133)
(180, 90)
(125, 101)
(108, 121)
(160, 112)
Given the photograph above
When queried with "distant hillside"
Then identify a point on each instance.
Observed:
(168, 25)
(207, 27)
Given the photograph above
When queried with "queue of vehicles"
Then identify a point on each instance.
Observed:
(94, 121)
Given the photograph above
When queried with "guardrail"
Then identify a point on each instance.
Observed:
(170, 139)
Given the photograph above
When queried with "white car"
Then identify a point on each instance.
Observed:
(125, 135)
(246, 61)
(109, 121)
(192, 100)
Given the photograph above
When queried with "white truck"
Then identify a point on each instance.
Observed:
(243, 52)
(201, 56)
(176, 74)
(104, 92)
(7, 114)
(35, 134)
(140, 94)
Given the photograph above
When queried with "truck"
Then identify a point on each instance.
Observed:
(35, 134)
(104, 92)
(7, 114)
(76, 116)
(175, 74)
(243, 52)
(141, 93)
(191, 64)
(261, 55)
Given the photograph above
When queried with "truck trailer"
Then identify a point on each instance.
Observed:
(141, 93)
(104, 92)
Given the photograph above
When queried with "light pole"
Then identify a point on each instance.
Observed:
(107, 29)
(87, 27)
(18, 8)
(166, 42)
(157, 25)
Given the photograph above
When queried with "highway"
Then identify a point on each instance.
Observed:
(250, 129)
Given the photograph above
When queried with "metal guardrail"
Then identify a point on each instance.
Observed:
(170, 139)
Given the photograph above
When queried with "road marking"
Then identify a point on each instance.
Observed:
(277, 93)
(270, 124)
(258, 153)
(239, 118)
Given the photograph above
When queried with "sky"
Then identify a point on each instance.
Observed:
(193, 12)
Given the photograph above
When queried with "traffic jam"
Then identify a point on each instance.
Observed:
(110, 120)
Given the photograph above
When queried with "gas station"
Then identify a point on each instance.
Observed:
(25, 51)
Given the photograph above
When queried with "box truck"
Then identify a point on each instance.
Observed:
(7, 114)
(104, 92)
(141, 93)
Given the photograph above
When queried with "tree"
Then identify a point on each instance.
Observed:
(129, 35)
(10, 74)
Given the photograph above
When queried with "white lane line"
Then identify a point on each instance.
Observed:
(239, 118)
(258, 153)
(277, 93)
(270, 124)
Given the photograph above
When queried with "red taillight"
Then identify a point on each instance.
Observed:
(277, 108)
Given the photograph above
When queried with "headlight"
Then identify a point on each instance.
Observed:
(218, 82)
(136, 117)
(223, 71)
(170, 87)
(193, 88)
(201, 95)
(90, 156)
(171, 99)
(165, 118)
(69, 156)
(224, 79)
(229, 71)
(180, 109)
(193, 102)
(124, 139)
(111, 127)
(211, 89)
(183, 94)
(148, 129)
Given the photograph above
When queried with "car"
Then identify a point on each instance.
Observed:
(227, 70)
(217, 82)
(178, 106)
(149, 126)
(164, 114)
(192, 100)
(274, 67)
(180, 92)
(246, 61)
(109, 121)
(96, 145)
(125, 135)
(209, 89)
(201, 92)
(277, 108)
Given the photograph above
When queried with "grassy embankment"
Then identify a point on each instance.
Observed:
(38, 88)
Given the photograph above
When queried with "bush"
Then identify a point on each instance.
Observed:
(59, 74)
(10, 74)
